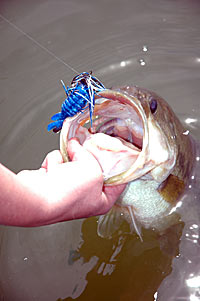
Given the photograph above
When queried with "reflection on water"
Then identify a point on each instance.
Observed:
(151, 44)
(124, 266)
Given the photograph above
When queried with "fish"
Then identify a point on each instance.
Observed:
(137, 139)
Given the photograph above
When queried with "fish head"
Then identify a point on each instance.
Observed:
(134, 134)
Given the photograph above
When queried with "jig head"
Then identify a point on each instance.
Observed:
(80, 95)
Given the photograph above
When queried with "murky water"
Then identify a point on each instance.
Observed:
(154, 44)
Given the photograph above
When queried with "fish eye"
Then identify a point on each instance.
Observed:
(153, 105)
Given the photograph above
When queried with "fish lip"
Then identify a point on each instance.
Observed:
(136, 170)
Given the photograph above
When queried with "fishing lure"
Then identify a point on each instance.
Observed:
(80, 95)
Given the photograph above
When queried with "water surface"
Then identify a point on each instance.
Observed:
(153, 44)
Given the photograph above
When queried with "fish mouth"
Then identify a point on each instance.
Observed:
(117, 115)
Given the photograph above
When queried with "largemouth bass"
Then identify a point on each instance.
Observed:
(137, 139)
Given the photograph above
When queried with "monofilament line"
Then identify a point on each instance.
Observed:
(38, 44)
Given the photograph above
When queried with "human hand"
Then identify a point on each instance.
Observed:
(73, 189)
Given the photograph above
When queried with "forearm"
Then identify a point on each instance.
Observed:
(27, 200)
(19, 206)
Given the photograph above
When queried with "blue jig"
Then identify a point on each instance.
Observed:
(82, 92)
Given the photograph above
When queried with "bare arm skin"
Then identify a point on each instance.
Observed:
(57, 191)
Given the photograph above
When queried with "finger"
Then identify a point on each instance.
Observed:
(78, 152)
(52, 160)
(73, 147)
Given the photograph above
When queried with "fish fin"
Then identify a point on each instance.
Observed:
(109, 223)
(133, 224)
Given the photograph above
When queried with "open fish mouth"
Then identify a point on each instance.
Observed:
(119, 137)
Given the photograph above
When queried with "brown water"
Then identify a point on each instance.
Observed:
(153, 44)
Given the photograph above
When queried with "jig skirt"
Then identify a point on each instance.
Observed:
(80, 95)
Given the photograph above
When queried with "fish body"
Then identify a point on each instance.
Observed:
(137, 139)
(162, 169)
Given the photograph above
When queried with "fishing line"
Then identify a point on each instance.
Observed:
(38, 44)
